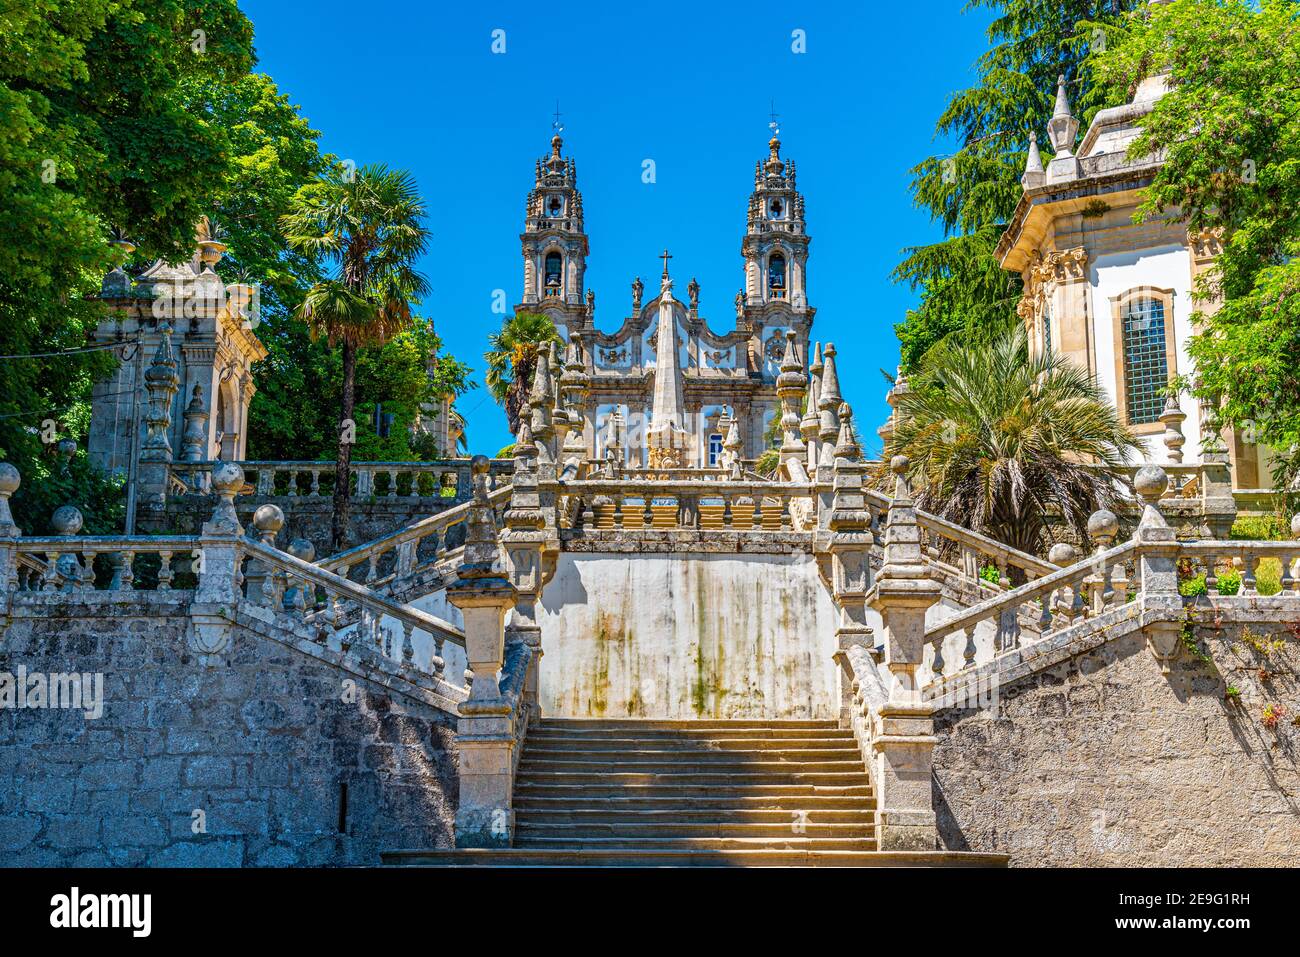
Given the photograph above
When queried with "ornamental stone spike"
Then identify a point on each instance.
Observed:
(1062, 128)
(540, 402)
(810, 424)
(1034, 174)
(847, 447)
(790, 389)
(828, 404)
(1173, 417)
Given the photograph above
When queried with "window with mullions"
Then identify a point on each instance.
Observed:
(1146, 359)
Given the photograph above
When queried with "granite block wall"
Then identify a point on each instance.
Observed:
(270, 759)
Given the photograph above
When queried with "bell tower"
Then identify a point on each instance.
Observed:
(554, 244)
(775, 248)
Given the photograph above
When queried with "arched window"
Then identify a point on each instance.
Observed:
(715, 448)
(776, 276)
(1145, 340)
(552, 273)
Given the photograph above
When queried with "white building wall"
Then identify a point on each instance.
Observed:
(1166, 267)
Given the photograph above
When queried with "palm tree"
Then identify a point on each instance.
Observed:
(998, 440)
(512, 358)
(368, 224)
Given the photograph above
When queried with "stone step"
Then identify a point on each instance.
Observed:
(691, 814)
(527, 832)
(531, 766)
(704, 843)
(610, 857)
(689, 725)
(735, 803)
(582, 793)
(544, 735)
(714, 779)
(805, 740)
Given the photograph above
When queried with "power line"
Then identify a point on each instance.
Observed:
(67, 352)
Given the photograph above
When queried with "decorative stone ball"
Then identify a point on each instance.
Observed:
(1151, 482)
(10, 479)
(846, 412)
(1103, 525)
(899, 464)
(1295, 521)
(268, 518)
(302, 550)
(67, 448)
(479, 464)
(227, 477)
(1062, 554)
(66, 520)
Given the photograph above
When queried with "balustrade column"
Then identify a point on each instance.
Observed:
(218, 594)
(1158, 568)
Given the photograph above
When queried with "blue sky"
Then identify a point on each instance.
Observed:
(416, 85)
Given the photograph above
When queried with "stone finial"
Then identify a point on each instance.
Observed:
(268, 520)
(1062, 128)
(482, 550)
(194, 440)
(1103, 527)
(302, 549)
(10, 479)
(789, 388)
(900, 465)
(1173, 416)
(66, 520)
(811, 423)
(539, 400)
(1034, 174)
(847, 447)
(227, 480)
(1062, 554)
(828, 404)
(1151, 482)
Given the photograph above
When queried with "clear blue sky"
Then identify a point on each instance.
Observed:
(416, 85)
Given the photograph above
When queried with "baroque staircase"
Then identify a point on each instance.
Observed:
(648, 793)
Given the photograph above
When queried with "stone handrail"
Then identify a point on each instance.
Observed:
(405, 543)
(1209, 555)
(743, 505)
(447, 478)
(293, 585)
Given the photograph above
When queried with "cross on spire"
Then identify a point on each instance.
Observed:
(665, 256)
(772, 123)
(556, 125)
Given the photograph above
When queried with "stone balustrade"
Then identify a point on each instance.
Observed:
(716, 503)
(442, 479)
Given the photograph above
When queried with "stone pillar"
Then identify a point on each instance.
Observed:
(1218, 506)
(1158, 562)
(485, 732)
(905, 741)
(194, 440)
(850, 548)
(524, 542)
(218, 567)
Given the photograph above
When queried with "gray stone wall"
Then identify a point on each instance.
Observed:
(1104, 761)
(256, 751)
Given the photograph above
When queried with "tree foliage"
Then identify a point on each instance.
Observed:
(1229, 128)
(999, 441)
(512, 358)
(972, 193)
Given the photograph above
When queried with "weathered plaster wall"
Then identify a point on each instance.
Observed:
(688, 635)
(262, 746)
(1103, 761)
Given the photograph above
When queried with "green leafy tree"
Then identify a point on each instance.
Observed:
(368, 224)
(94, 133)
(512, 357)
(973, 192)
(999, 441)
(1229, 128)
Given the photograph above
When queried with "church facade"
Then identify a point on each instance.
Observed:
(721, 375)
